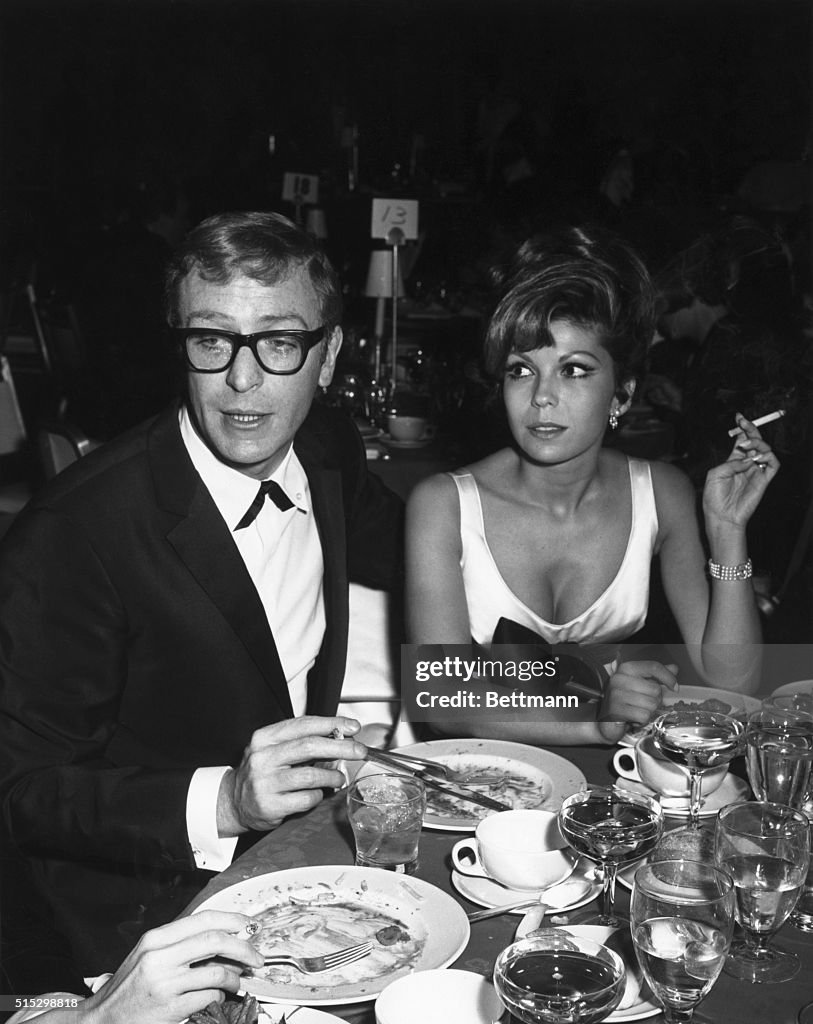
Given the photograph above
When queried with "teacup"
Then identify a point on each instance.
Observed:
(645, 763)
(521, 849)
(408, 428)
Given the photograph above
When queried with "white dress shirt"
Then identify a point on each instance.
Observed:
(278, 547)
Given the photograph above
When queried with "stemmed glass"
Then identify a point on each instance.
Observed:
(554, 977)
(697, 740)
(765, 848)
(682, 920)
(612, 826)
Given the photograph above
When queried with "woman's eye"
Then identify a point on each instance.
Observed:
(514, 371)
(576, 370)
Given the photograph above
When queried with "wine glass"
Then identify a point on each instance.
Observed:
(682, 920)
(697, 740)
(612, 826)
(558, 978)
(779, 756)
(766, 849)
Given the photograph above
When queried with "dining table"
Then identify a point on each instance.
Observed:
(323, 837)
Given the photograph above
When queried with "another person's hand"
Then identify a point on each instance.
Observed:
(734, 489)
(170, 974)
(280, 773)
(633, 695)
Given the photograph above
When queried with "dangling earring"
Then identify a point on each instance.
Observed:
(613, 419)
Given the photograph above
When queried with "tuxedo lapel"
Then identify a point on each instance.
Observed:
(202, 541)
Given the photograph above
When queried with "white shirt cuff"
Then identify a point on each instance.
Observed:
(210, 851)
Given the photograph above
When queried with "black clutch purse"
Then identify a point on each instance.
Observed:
(579, 668)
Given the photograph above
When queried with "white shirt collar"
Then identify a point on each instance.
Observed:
(233, 491)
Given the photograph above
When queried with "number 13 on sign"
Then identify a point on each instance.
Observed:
(395, 213)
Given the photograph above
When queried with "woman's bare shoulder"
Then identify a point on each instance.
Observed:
(671, 485)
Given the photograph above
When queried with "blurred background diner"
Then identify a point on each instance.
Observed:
(683, 126)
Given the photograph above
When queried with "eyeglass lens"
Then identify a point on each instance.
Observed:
(280, 352)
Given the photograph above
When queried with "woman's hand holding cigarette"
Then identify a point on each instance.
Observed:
(760, 421)
(734, 489)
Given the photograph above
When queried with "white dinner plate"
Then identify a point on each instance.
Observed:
(640, 1009)
(419, 442)
(338, 906)
(486, 893)
(789, 689)
(738, 704)
(531, 777)
(732, 790)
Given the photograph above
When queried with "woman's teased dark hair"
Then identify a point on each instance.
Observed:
(264, 246)
(587, 277)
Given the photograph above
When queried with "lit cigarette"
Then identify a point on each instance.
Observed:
(760, 421)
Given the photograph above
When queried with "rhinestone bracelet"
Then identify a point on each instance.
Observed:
(743, 571)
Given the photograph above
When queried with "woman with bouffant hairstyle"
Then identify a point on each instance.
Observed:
(556, 532)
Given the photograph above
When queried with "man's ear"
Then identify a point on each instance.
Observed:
(329, 356)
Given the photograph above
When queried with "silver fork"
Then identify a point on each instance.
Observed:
(328, 962)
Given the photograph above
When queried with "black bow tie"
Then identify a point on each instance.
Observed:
(268, 489)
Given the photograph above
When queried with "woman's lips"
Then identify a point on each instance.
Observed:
(547, 429)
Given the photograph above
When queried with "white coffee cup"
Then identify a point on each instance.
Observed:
(521, 849)
(408, 428)
(645, 763)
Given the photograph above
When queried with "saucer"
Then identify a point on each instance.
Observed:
(487, 893)
(420, 442)
(732, 790)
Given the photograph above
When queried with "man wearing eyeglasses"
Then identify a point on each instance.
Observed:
(175, 606)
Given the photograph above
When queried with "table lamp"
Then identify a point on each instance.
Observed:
(379, 287)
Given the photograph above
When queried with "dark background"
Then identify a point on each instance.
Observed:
(98, 93)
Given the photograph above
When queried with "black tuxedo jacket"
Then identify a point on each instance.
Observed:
(134, 648)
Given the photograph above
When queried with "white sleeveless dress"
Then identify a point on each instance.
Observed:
(615, 615)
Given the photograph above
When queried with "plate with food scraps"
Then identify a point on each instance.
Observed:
(265, 1013)
(527, 777)
(638, 1001)
(310, 911)
(577, 890)
(704, 697)
(304, 1015)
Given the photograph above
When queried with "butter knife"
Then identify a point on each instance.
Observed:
(442, 787)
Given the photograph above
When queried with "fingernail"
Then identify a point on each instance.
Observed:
(743, 448)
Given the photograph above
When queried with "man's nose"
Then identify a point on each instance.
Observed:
(245, 372)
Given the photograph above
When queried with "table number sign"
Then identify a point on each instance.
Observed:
(395, 213)
(300, 188)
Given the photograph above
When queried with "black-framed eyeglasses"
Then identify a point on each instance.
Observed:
(212, 350)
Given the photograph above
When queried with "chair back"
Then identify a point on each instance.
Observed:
(60, 444)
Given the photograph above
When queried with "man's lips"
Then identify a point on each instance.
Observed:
(244, 419)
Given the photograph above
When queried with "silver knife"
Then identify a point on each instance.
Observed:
(443, 787)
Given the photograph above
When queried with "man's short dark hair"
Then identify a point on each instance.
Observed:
(266, 247)
(588, 277)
